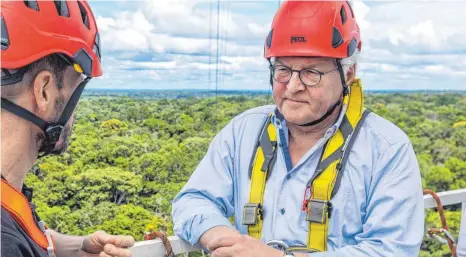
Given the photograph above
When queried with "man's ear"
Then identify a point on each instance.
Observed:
(45, 91)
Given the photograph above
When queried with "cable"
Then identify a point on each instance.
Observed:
(225, 26)
(210, 45)
(270, 87)
(216, 71)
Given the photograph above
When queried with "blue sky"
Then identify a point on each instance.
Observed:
(168, 44)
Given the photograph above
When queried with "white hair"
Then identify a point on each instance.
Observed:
(348, 62)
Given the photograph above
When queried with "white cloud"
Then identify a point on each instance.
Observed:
(126, 39)
(402, 41)
(361, 10)
(193, 17)
(175, 25)
(104, 23)
(426, 26)
(420, 34)
(415, 41)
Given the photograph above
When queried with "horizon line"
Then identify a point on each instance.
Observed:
(260, 90)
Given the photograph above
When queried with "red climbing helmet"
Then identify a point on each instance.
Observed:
(313, 28)
(34, 29)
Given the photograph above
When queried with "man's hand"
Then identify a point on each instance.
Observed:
(216, 233)
(241, 245)
(102, 244)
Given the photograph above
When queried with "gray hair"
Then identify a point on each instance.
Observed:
(348, 62)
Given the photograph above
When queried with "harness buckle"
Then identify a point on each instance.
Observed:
(53, 132)
(267, 160)
(50, 249)
(252, 213)
(48, 235)
(318, 211)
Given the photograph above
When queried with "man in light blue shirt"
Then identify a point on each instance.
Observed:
(378, 209)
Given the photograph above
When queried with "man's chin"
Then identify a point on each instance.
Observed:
(298, 119)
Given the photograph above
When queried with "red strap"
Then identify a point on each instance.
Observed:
(18, 206)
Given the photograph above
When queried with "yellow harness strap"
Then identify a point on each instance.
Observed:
(325, 181)
(263, 161)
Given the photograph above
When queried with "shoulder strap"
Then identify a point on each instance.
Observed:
(326, 179)
(350, 143)
(260, 169)
(18, 207)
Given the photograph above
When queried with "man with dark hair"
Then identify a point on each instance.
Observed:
(50, 51)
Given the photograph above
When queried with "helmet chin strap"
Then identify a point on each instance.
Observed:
(52, 131)
(328, 113)
(338, 103)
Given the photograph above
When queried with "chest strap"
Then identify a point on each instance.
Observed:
(16, 204)
(324, 183)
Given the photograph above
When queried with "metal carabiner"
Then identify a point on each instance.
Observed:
(432, 233)
(449, 236)
(438, 238)
(283, 246)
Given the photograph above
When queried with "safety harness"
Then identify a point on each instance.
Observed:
(322, 186)
(17, 205)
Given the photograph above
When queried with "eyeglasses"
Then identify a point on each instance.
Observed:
(309, 77)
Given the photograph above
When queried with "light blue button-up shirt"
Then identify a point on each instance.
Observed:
(378, 210)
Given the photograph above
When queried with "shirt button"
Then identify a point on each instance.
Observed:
(288, 177)
(282, 211)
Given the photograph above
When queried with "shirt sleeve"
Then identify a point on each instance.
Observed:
(206, 200)
(393, 224)
(14, 247)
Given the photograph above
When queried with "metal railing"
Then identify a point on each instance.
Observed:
(155, 248)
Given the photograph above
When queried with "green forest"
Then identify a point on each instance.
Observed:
(129, 156)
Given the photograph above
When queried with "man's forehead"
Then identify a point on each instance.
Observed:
(303, 60)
